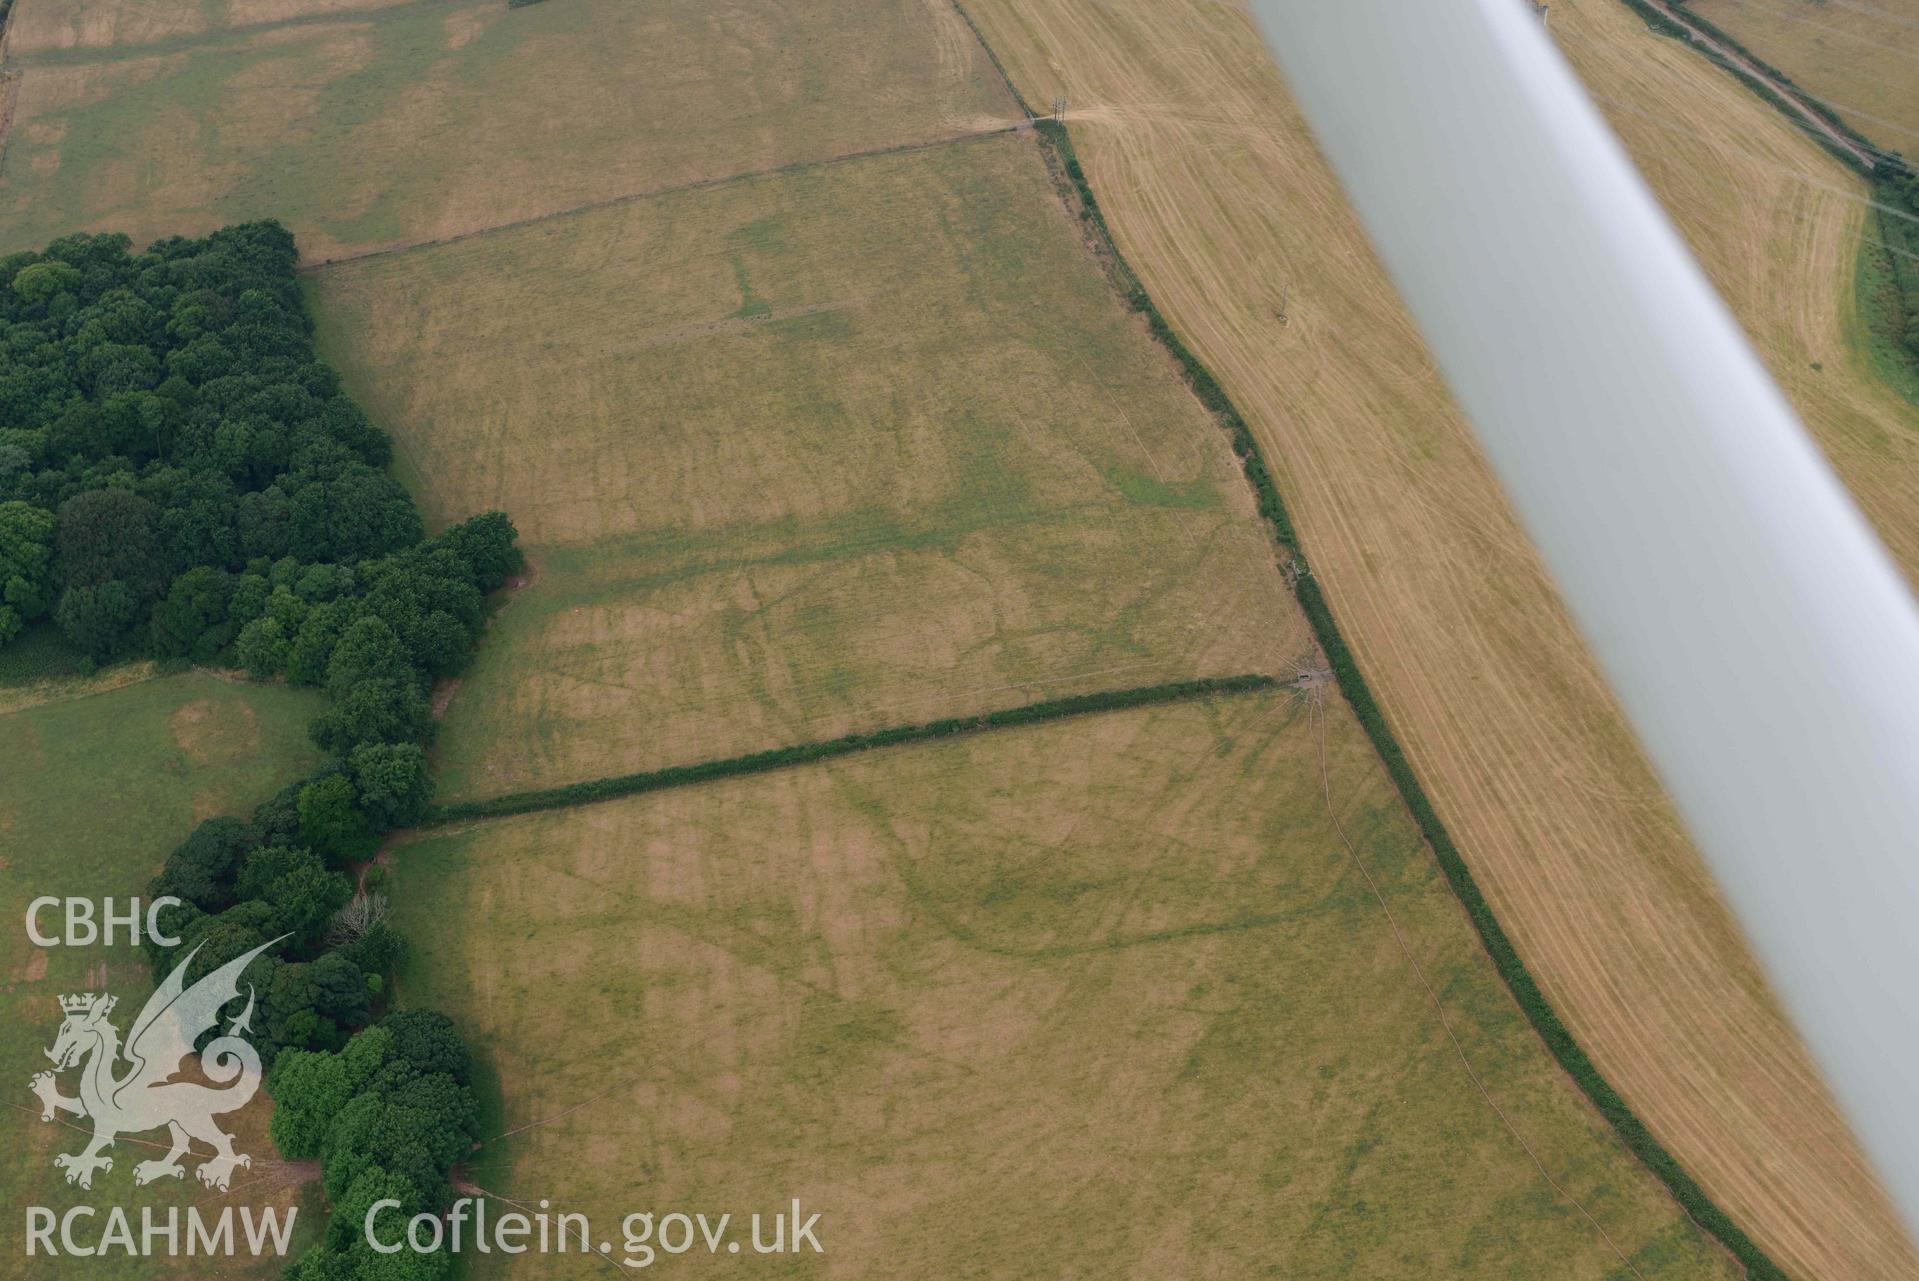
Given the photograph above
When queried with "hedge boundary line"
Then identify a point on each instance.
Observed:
(1891, 164)
(1506, 960)
(1658, 21)
(985, 46)
(1805, 98)
(604, 789)
(789, 169)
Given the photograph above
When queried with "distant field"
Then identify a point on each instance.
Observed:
(93, 793)
(869, 444)
(1221, 201)
(424, 120)
(41, 25)
(1861, 58)
(1102, 998)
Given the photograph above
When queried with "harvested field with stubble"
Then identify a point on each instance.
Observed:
(1219, 199)
(1862, 59)
(1107, 997)
(96, 787)
(362, 130)
(871, 444)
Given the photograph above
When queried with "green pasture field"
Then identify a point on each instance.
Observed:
(869, 444)
(422, 121)
(1102, 998)
(94, 790)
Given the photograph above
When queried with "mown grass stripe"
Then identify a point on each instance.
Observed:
(1512, 970)
(603, 789)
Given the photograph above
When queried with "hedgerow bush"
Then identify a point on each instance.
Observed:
(799, 754)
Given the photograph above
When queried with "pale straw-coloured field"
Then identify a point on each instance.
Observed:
(1220, 201)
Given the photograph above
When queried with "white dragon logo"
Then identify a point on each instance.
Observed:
(147, 1097)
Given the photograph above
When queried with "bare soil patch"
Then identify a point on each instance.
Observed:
(213, 731)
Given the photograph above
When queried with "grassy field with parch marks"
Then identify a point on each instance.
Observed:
(421, 121)
(870, 444)
(41, 26)
(96, 788)
(1105, 997)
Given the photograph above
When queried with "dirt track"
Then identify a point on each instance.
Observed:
(1786, 94)
(1220, 200)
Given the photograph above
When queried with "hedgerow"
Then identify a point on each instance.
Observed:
(993, 58)
(1810, 101)
(1512, 970)
(1655, 19)
(785, 757)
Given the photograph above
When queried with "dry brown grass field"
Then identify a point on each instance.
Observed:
(1218, 197)
(422, 121)
(871, 444)
(37, 26)
(1861, 58)
(1107, 997)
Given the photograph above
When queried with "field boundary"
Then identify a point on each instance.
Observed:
(985, 45)
(1779, 90)
(1775, 86)
(1525, 990)
(9, 99)
(87, 55)
(659, 193)
(778, 758)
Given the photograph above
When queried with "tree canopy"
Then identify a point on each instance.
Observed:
(181, 477)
